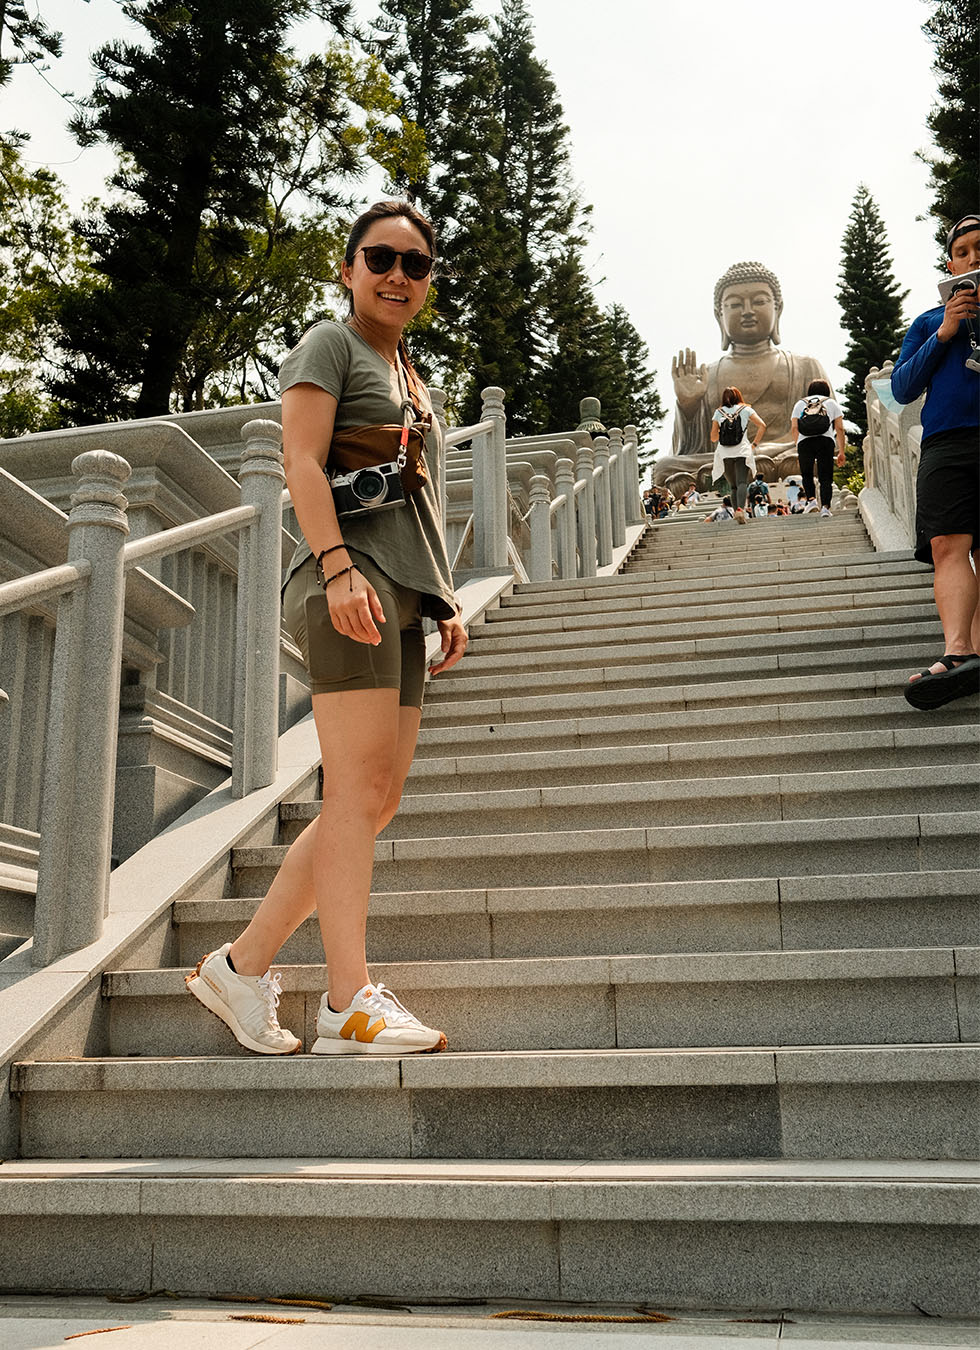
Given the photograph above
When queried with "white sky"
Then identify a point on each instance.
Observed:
(703, 134)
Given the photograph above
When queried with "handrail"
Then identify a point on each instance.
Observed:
(164, 543)
(467, 531)
(456, 435)
(14, 595)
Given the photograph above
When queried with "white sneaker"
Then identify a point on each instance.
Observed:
(810, 506)
(374, 1023)
(825, 511)
(245, 1003)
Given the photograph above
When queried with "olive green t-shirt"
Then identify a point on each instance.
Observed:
(406, 542)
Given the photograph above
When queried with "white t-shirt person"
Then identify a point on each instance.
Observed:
(744, 448)
(824, 404)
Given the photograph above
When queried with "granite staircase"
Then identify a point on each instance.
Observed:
(694, 894)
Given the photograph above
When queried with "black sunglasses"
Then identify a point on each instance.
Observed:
(380, 258)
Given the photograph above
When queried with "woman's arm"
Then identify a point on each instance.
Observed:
(794, 430)
(714, 433)
(839, 428)
(756, 420)
(308, 414)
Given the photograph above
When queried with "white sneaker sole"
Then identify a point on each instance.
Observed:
(215, 1004)
(335, 1045)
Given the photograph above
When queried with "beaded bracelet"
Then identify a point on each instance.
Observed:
(342, 573)
(318, 569)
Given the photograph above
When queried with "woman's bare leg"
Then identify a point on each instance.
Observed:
(348, 734)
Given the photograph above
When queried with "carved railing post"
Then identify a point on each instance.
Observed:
(256, 724)
(603, 502)
(617, 488)
(565, 488)
(634, 505)
(490, 474)
(438, 399)
(586, 512)
(539, 519)
(78, 784)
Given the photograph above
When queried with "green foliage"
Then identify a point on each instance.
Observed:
(232, 156)
(39, 256)
(855, 483)
(852, 468)
(870, 301)
(953, 28)
(24, 39)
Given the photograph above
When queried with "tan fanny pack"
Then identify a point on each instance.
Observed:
(365, 447)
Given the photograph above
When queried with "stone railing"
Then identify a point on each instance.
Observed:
(77, 784)
(891, 461)
(177, 627)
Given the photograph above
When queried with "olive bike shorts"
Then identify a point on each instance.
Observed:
(337, 663)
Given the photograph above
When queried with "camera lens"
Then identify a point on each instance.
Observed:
(369, 486)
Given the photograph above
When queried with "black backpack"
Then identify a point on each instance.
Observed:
(730, 427)
(814, 419)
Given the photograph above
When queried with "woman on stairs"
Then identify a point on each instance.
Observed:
(356, 591)
(734, 452)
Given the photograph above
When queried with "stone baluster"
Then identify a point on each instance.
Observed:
(617, 489)
(78, 786)
(565, 488)
(539, 519)
(634, 504)
(438, 398)
(586, 513)
(256, 724)
(490, 476)
(603, 502)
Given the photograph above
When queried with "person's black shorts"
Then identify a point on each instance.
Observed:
(947, 489)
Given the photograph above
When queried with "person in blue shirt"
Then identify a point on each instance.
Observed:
(933, 360)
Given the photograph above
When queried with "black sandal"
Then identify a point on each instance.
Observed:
(934, 688)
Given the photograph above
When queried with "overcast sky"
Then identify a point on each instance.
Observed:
(703, 134)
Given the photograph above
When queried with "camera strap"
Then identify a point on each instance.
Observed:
(409, 412)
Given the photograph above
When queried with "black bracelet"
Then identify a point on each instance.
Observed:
(342, 573)
(318, 568)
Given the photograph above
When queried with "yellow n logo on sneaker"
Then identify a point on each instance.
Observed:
(357, 1027)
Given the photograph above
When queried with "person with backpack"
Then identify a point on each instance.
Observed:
(758, 496)
(818, 425)
(734, 459)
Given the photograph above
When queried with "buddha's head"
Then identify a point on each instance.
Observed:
(748, 303)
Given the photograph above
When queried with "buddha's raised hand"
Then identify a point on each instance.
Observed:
(690, 379)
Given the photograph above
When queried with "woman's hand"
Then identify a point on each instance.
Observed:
(454, 640)
(354, 607)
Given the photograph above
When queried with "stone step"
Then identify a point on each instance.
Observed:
(880, 568)
(772, 753)
(895, 909)
(853, 1102)
(882, 843)
(881, 1236)
(725, 698)
(868, 996)
(843, 632)
(655, 802)
(694, 621)
(576, 729)
(698, 680)
(739, 548)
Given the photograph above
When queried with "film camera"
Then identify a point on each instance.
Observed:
(365, 490)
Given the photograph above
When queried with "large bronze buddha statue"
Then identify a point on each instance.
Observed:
(748, 306)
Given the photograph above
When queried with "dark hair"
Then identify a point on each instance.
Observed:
(731, 396)
(388, 210)
(819, 387)
(726, 501)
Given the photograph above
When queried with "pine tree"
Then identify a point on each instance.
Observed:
(870, 301)
(954, 31)
(217, 128)
(24, 38)
(637, 402)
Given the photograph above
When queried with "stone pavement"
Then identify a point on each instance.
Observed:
(33, 1323)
